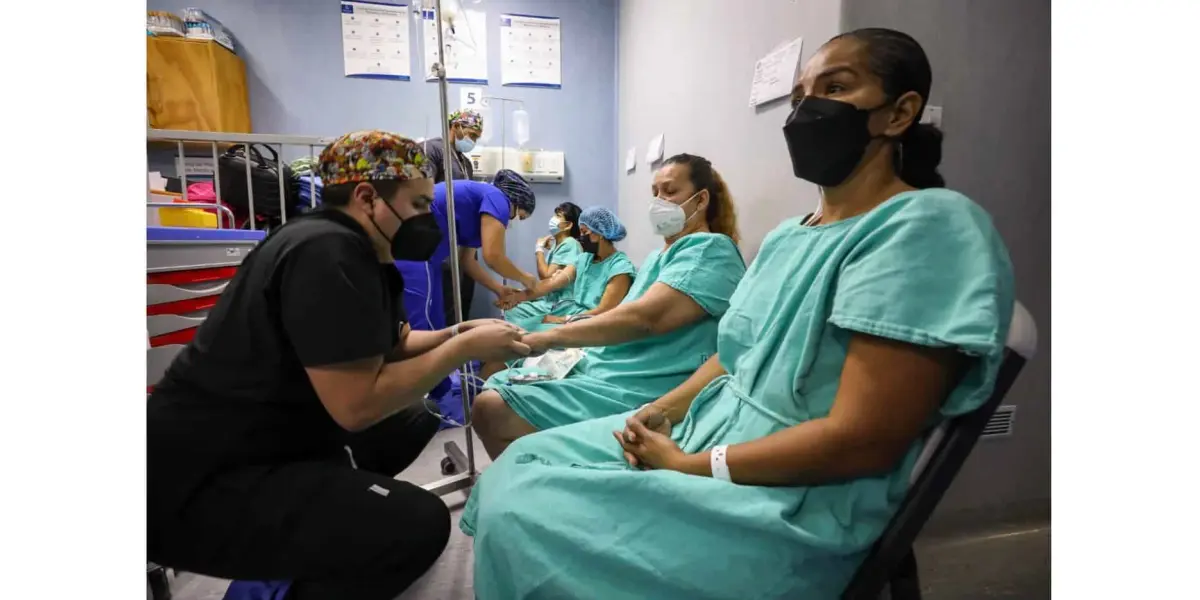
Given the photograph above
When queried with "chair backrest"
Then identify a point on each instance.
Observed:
(945, 451)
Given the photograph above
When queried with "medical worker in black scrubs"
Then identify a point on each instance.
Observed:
(274, 437)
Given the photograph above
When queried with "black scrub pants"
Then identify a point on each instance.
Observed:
(466, 285)
(334, 531)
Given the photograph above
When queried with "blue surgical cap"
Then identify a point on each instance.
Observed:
(516, 188)
(603, 222)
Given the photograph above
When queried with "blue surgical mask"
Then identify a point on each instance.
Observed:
(555, 221)
(464, 145)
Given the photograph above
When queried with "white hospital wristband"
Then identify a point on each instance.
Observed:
(454, 330)
(720, 469)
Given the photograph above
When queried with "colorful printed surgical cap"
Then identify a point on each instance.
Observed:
(467, 119)
(372, 156)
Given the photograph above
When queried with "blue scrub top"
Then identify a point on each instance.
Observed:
(472, 200)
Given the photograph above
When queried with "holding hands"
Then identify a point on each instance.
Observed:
(492, 340)
(646, 440)
(510, 297)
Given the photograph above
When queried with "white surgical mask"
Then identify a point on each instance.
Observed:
(668, 218)
(555, 221)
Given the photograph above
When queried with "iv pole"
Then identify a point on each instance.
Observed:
(464, 465)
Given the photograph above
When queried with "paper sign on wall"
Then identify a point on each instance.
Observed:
(530, 51)
(472, 98)
(631, 160)
(654, 152)
(375, 40)
(932, 116)
(775, 73)
(466, 45)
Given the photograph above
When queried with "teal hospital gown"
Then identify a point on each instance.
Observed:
(707, 268)
(527, 314)
(584, 293)
(560, 515)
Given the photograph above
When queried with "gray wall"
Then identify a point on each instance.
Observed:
(991, 74)
(684, 70)
(293, 55)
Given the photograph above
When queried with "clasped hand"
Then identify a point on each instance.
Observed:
(646, 441)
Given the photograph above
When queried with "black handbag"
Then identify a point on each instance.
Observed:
(264, 180)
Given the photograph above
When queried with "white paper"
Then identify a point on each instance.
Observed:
(631, 160)
(472, 98)
(932, 116)
(530, 51)
(195, 166)
(775, 73)
(654, 152)
(375, 40)
(466, 46)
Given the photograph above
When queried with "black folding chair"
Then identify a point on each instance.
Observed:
(891, 564)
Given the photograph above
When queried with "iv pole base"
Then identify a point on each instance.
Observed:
(457, 462)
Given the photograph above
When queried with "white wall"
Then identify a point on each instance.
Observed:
(684, 70)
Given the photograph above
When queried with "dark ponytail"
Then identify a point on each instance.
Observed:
(569, 211)
(918, 157)
(720, 215)
(901, 64)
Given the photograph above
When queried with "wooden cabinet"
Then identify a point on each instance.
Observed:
(196, 85)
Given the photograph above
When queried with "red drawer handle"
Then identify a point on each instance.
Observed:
(192, 276)
(180, 307)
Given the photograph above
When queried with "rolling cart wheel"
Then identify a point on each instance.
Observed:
(448, 467)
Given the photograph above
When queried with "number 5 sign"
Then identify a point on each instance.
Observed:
(471, 97)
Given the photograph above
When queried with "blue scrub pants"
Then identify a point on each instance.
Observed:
(423, 303)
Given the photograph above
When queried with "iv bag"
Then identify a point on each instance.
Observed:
(521, 126)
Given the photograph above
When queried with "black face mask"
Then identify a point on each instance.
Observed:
(416, 239)
(827, 139)
(588, 245)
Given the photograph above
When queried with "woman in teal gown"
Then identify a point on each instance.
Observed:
(660, 334)
(555, 251)
(774, 468)
(594, 282)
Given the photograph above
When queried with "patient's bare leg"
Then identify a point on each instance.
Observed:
(496, 424)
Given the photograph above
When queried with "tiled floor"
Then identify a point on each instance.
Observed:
(1008, 562)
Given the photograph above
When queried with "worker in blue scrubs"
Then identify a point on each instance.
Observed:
(482, 211)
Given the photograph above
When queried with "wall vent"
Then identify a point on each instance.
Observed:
(1001, 423)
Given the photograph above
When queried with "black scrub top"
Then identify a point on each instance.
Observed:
(460, 164)
(313, 293)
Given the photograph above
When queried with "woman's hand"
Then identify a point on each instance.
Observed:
(554, 320)
(538, 343)
(466, 326)
(654, 418)
(510, 297)
(652, 450)
(496, 343)
(544, 242)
